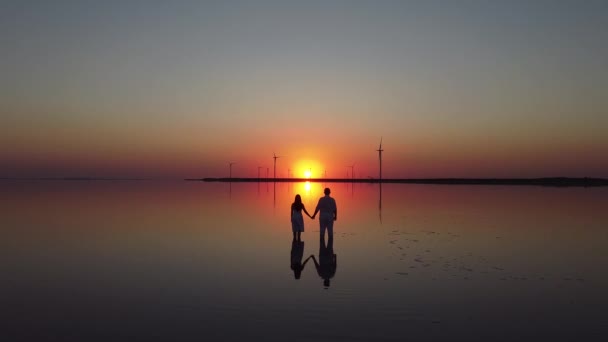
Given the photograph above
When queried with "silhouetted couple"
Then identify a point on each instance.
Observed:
(328, 214)
(327, 263)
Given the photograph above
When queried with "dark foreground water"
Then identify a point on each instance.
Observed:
(174, 261)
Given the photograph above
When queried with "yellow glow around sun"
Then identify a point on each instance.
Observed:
(308, 168)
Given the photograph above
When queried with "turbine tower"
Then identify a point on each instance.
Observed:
(231, 163)
(275, 157)
(352, 170)
(259, 168)
(380, 158)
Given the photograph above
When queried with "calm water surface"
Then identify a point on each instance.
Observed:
(109, 261)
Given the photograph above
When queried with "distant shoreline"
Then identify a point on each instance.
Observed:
(547, 181)
(74, 179)
(544, 181)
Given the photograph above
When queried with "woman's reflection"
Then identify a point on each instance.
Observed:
(328, 261)
(297, 253)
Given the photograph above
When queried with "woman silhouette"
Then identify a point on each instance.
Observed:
(297, 252)
(297, 220)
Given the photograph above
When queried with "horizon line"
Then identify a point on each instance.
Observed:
(544, 181)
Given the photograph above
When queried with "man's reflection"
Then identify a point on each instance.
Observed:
(297, 253)
(328, 261)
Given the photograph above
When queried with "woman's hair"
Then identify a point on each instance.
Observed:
(297, 203)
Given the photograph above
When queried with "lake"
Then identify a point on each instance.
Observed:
(177, 260)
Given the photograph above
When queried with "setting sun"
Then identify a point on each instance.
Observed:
(309, 168)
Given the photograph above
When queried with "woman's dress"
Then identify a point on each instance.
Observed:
(297, 221)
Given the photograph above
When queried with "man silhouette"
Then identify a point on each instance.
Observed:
(328, 260)
(329, 213)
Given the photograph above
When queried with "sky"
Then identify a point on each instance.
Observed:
(178, 89)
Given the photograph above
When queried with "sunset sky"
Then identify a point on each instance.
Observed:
(176, 89)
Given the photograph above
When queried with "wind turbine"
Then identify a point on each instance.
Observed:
(259, 168)
(231, 163)
(275, 157)
(352, 170)
(380, 157)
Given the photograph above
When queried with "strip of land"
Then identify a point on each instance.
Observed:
(548, 181)
(73, 179)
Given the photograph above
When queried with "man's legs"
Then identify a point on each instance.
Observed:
(323, 225)
(330, 228)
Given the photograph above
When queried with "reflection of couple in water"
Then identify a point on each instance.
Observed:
(327, 263)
